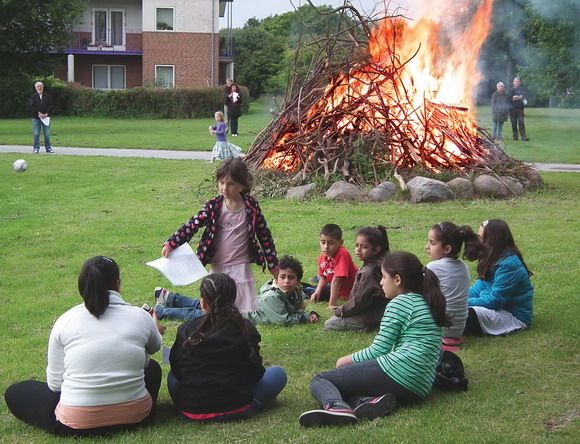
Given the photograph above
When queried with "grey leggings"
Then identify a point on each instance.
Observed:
(345, 384)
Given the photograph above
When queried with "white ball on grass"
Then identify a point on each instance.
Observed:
(20, 165)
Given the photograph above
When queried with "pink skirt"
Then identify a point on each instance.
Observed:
(246, 299)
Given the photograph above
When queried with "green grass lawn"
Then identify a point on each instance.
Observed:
(553, 133)
(65, 209)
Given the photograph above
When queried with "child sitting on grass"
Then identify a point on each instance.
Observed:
(500, 301)
(444, 243)
(335, 267)
(281, 299)
(367, 303)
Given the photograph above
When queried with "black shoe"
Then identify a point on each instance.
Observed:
(527, 139)
(49, 150)
(515, 137)
(327, 417)
(376, 407)
(34, 151)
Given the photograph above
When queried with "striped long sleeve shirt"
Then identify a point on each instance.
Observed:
(408, 344)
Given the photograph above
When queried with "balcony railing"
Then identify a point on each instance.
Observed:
(129, 40)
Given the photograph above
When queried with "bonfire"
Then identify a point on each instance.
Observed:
(406, 102)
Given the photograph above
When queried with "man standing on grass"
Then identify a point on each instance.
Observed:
(517, 102)
(40, 105)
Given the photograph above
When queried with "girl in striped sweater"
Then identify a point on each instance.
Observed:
(398, 368)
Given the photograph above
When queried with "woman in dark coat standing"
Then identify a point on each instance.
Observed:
(500, 109)
(234, 105)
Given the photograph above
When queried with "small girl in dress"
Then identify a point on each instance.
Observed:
(500, 300)
(443, 246)
(236, 233)
(222, 147)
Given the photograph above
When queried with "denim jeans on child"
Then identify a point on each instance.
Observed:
(355, 380)
(179, 307)
(265, 391)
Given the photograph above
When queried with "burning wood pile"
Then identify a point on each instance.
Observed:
(406, 101)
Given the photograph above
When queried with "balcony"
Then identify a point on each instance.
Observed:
(109, 41)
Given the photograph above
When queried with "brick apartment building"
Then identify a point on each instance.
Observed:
(121, 44)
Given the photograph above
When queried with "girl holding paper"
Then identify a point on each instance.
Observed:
(236, 233)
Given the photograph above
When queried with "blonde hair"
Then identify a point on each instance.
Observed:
(219, 113)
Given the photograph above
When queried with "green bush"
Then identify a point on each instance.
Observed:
(151, 103)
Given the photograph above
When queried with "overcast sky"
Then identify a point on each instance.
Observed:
(246, 9)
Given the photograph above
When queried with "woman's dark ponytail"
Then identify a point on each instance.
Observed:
(98, 275)
(473, 249)
(418, 279)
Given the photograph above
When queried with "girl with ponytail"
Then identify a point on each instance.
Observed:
(216, 368)
(444, 243)
(100, 379)
(398, 368)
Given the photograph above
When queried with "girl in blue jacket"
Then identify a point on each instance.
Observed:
(500, 300)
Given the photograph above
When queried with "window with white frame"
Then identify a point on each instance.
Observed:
(164, 76)
(109, 77)
(109, 27)
(164, 19)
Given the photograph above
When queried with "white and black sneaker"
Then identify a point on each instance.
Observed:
(161, 296)
(329, 416)
(372, 408)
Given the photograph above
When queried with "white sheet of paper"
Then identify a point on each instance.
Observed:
(182, 267)
(46, 120)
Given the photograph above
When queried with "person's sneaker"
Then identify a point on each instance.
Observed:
(333, 416)
(50, 150)
(515, 137)
(315, 279)
(161, 296)
(527, 139)
(35, 151)
(373, 408)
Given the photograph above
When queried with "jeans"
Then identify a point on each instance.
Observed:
(179, 307)
(517, 118)
(36, 124)
(33, 402)
(348, 383)
(497, 129)
(233, 121)
(265, 391)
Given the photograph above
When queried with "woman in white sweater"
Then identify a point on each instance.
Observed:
(100, 379)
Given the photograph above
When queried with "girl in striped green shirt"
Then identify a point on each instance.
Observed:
(398, 368)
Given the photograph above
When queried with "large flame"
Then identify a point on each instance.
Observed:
(428, 97)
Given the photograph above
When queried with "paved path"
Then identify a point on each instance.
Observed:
(200, 155)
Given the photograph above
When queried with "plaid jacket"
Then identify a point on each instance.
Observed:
(262, 250)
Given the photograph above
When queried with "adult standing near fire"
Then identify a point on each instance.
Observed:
(518, 101)
(233, 101)
(500, 107)
(40, 105)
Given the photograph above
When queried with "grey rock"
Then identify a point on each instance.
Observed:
(383, 192)
(344, 191)
(489, 186)
(514, 185)
(423, 189)
(300, 192)
(462, 188)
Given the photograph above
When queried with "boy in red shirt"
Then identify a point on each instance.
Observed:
(335, 266)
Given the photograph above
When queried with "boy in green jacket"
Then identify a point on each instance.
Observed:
(281, 300)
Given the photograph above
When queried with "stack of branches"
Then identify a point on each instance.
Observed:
(343, 105)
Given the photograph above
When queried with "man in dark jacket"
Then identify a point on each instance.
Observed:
(40, 106)
(518, 101)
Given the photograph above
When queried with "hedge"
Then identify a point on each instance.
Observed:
(151, 103)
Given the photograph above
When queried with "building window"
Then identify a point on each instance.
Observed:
(164, 19)
(109, 77)
(109, 27)
(164, 76)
